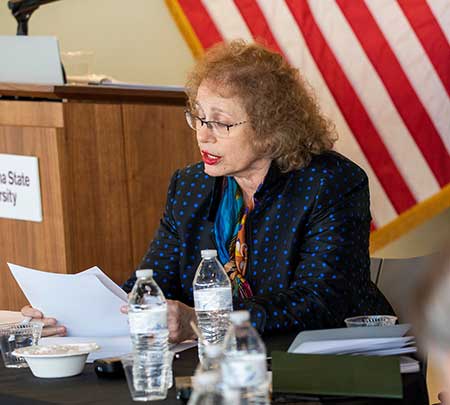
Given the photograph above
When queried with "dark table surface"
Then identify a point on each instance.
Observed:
(19, 386)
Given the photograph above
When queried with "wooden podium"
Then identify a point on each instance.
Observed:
(105, 159)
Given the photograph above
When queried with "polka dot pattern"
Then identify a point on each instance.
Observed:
(308, 239)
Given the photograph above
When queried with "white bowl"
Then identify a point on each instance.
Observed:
(56, 361)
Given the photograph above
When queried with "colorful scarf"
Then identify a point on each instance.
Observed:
(229, 231)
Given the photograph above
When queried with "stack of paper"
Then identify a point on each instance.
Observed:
(409, 365)
(87, 304)
(369, 346)
(369, 341)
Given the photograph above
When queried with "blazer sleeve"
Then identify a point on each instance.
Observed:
(163, 253)
(332, 265)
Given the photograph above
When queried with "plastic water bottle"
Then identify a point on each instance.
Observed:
(211, 359)
(147, 312)
(205, 390)
(212, 298)
(208, 388)
(244, 367)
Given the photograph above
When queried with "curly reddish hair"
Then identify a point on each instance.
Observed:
(282, 111)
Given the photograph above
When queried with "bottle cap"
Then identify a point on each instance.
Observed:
(239, 317)
(206, 378)
(213, 350)
(144, 273)
(209, 253)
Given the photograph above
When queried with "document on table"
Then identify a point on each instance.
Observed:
(87, 303)
(353, 346)
(110, 346)
(352, 340)
(368, 341)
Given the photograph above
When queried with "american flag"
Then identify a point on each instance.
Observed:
(380, 70)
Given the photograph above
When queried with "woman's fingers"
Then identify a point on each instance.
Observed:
(172, 321)
(28, 310)
(48, 322)
(124, 308)
(53, 330)
(50, 327)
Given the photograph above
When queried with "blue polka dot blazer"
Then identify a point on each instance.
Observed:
(308, 239)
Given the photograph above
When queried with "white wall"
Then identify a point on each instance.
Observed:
(431, 236)
(132, 40)
(138, 41)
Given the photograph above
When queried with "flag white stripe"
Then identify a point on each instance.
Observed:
(415, 63)
(441, 11)
(285, 30)
(290, 39)
(375, 98)
(227, 19)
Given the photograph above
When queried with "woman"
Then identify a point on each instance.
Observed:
(289, 217)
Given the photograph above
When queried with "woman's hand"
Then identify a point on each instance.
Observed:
(179, 317)
(50, 328)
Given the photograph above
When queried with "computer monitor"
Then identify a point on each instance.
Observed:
(32, 60)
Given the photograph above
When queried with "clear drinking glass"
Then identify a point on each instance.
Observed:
(371, 320)
(158, 385)
(16, 335)
(78, 63)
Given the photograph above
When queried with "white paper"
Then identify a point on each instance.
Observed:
(369, 341)
(409, 365)
(88, 304)
(109, 346)
(348, 333)
(106, 281)
(348, 346)
(181, 347)
(388, 352)
(83, 302)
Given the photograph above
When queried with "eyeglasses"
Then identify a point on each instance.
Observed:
(219, 129)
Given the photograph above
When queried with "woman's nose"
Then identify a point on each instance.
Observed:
(204, 134)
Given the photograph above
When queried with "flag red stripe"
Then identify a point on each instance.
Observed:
(430, 35)
(201, 22)
(257, 23)
(399, 88)
(352, 109)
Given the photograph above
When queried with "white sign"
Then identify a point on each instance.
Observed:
(20, 191)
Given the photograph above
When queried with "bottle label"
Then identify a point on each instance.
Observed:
(246, 370)
(213, 299)
(148, 321)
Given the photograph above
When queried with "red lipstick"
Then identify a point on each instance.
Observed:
(210, 159)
